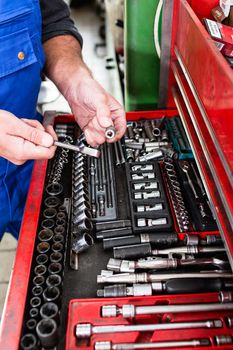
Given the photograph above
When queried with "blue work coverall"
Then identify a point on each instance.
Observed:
(21, 63)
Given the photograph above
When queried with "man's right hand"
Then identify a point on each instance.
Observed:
(24, 139)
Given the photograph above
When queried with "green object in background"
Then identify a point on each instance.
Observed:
(141, 59)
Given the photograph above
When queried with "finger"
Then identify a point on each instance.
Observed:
(103, 115)
(95, 133)
(120, 122)
(32, 134)
(32, 151)
(34, 123)
(51, 131)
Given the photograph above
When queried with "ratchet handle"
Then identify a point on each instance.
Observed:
(193, 285)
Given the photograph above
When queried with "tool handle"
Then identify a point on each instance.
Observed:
(162, 239)
(193, 285)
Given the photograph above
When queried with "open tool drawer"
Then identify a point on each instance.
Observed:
(208, 128)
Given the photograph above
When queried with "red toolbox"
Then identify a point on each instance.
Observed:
(201, 85)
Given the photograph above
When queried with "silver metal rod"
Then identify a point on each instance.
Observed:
(131, 278)
(85, 330)
(92, 152)
(107, 345)
(131, 310)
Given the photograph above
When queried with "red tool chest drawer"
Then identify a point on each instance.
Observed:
(202, 92)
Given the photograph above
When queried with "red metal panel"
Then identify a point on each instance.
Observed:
(12, 318)
(211, 78)
(203, 8)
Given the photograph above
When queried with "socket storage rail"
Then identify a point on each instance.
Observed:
(134, 250)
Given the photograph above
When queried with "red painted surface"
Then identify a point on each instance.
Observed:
(12, 318)
(89, 311)
(202, 8)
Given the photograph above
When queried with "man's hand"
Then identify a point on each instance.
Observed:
(93, 108)
(24, 139)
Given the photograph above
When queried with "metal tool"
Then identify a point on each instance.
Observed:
(148, 278)
(162, 264)
(186, 168)
(172, 286)
(147, 195)
(129, 310)
(142, 222)
(47, 332)
(110, 132)
(92, 152)
(107, 345)
(118, 162)
(152, 207)
(223, 339)
(28, 342)
(121, 152)
(86, 330)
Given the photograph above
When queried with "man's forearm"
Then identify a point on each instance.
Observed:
(64, 63)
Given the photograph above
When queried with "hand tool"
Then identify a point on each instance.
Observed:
(118, 162)
(148, 130)
(38, 280)
(34, 312)
(55, 268)
(150, 156)
(53, 280)
(147, 195)
(110, 132)
(47, 333)
(31, 324)
(160, 239)
(121, 152)
(107, 345)
(144, 176)
(131, 278)
(82, 242)
(157, 126)
(51, 294)
(130, 155)
(58, 237)
(146, 185)
(35, 302)
(92, 152)
(93, 189)
(101, 202)
(172, 286)
(142, 222)
(37, 291)
(225, 297)
(223, 339)
(129, 310)
(56, 257)
(109, 225)
(186, 168)
(52, 202)
(83, 226)
(109, 173)
(41, 259)
(40, 270)
(50, 310)
(57, 247)
(199, 182)
(118, 265)
(119, 232)
(86, 330)
(45, 235)
(153, 207)
(50, 213)
(142, 167)
(54, 189)
(48, 223)
(28, 342)
(43, 247)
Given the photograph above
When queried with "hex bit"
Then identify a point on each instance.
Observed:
(107, 345)
(129, 310)
(86, 330)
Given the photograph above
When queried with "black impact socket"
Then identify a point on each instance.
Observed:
(31, 324)
(56, 257)
(52, 202)
(52, 294)
(35, 302)
(111, 225)
(119, 232)
(37, 291)
(61, 215)
(57, 247)
(48, 223)
(61, 222)
(28, 342)
(34, 312)
(42, 259)
(40, 270)
(38, 280)
(58, 238)
(132, 251)
(55, 268)
(47, 333)
(50, 213)
(50, 310)
(45, 235)
(110, 243)
(54, 280)
(59, 230)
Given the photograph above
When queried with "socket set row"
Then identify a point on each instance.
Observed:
(102, 185)
(149, 323)
(147, 197)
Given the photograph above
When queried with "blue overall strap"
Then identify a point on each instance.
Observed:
(21, 63)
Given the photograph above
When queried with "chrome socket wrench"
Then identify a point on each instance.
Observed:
(86, 330)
